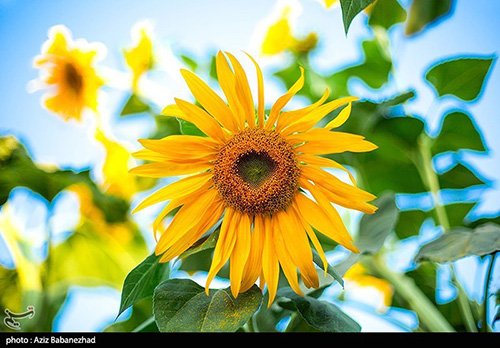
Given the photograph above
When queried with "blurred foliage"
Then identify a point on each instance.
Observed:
(107, 247)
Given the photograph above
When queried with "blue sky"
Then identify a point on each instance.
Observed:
(202, 27)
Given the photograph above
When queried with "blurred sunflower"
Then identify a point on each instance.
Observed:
(68, 69)
(279, 37)
(253, 171)
(139, 57)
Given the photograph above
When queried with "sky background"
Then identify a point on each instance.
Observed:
(201, 28)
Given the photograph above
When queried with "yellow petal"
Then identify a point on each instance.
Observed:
(243, 91)
(317, 218)
(284, 99)
(161, 170)
(177, 189)
(310, 120)
(270, 265)
(227, 82)
(253, 266)
(297, 244)
(210, 216)
(225, 244)
(320, 141)
(341, 118)
(289, 117)
(185, 219)
(240, 253)
(201, 119)
(182, 146)
(210, 100)
(324, 162)
(260, 83)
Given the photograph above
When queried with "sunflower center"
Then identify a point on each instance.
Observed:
(73, 77)
(256, 172)
(254, 168)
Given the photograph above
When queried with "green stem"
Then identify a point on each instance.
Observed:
(144, 324)
(427, 313)
(431, 179)
(484, 321)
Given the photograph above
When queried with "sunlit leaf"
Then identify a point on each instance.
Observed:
(425, 12)
(321, 315)
(386, 13)
(463, 78)
(142, 280)
(134, 105)
(350, 8)
(458, 131)
(181, 305)
(461, 242)
(18, 169)
(459, 177)
(410, 221)
(166, 126)
(374, 228)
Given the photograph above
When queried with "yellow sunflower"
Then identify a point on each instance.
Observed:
(261, 174)
(69, 71)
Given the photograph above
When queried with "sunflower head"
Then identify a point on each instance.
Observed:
(68, 70)
(262, 174)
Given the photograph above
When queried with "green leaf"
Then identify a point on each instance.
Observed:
(458, 131)
(321, 315)
(386, 13)
(18, 169)
(181, 305)
(188, 128)
(461, 242)
(374, 70)
(374, 228)
(350, 8)
(166, 126)
(459, 177)
(425, 12)
(134, 105)
(142, 280)
(410, 221)
(330, 269)
(463, 78)
(205, 243)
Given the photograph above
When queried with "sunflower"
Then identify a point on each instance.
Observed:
(69, 70)
(260, 174)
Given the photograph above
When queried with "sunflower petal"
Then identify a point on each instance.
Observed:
(209, 100)
(177, 189)
(240, 253)
(284, 99)
(260, 84)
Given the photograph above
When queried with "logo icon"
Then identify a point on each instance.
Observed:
(10, 320)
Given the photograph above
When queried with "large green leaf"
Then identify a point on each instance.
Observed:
(18, 169)
(459, 177)
(374, 228)
(374, 70)
(321, 315)
(463, 78)
(410, 221)
(461, 242)
(142, 280)
(134, 105)
(181, 305)
(350, 8)
(458, 131)
(424, 12)
(386, 13)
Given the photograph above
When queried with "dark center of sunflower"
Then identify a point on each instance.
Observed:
(254, 168)
(256, 172)
(73, 77)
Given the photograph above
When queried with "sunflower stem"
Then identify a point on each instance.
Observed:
(484, 312)
(431, 180)
(427, 313)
